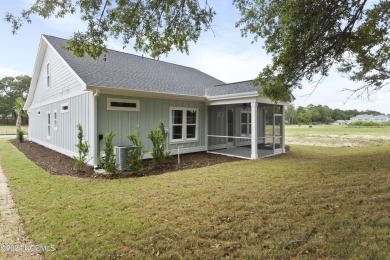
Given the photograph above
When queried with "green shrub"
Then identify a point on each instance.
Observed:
(83, 149)
(364, 123)
(20, 135)
(136, 154)
(158, 136)
(107, 162)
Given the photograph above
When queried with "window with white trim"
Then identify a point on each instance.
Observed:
(64, 108)
(184, 124)
(48, 125)
(246, 123)
(121, 104)
(55, 120)
(48, 74)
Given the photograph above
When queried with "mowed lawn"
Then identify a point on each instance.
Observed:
(10, 129)
(314, 202)
(342, 130)
(337, 135)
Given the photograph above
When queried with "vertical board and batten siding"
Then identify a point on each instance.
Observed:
(65, 87)
(64, 138)
(152, 111)
(62, 80)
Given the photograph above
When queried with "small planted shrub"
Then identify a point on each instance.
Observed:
(83, 149)
(158, 136)
(136, 154)
(20, 135)
(108, 160)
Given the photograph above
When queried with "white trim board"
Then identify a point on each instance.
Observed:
(54, 100)
(145, 94)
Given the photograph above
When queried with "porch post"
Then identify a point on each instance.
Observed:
(93, 129)
(254, 133)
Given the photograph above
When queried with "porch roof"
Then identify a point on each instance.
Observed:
(232, 88)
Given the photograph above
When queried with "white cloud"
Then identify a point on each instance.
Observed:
(7, 72)
(69, 24)
(229, 66)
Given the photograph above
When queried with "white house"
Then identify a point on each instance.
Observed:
(371, 118)
(120, 91)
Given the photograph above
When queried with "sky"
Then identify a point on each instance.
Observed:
(223, 54)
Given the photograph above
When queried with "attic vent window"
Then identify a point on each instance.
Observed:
(122, 104)
(64, 108)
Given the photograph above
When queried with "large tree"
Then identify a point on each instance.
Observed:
(158, 26)
(10, 89)
(305, 37)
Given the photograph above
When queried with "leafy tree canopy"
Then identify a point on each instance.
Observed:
(305, 38)
(158, 26)
(321, 114)
(12, 88)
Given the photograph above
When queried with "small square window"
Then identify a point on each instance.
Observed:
(64, 108)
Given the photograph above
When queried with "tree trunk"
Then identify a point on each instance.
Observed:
(18, 122)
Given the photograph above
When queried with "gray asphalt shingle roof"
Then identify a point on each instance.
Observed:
(127, 71)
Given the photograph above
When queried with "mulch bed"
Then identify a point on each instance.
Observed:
(59, 164)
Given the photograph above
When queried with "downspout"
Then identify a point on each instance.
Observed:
(94, 136)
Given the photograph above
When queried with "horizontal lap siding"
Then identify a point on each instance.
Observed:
(65, 137)
(62, 80)
(151, 112)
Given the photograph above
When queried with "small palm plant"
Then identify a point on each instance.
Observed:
(18, 108)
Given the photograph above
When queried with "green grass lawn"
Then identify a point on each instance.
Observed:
(314, 202)
(305, 130)
(11, 129)
(337, 135)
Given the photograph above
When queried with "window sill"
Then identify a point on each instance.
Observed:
(183, 141)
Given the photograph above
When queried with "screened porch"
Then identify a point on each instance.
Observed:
(247, 130)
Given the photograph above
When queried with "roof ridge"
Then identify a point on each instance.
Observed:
(142, 57)
(233, 83)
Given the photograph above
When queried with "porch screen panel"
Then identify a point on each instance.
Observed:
(278, 125)
(230, 124)
(269, 120)
(177, 124)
